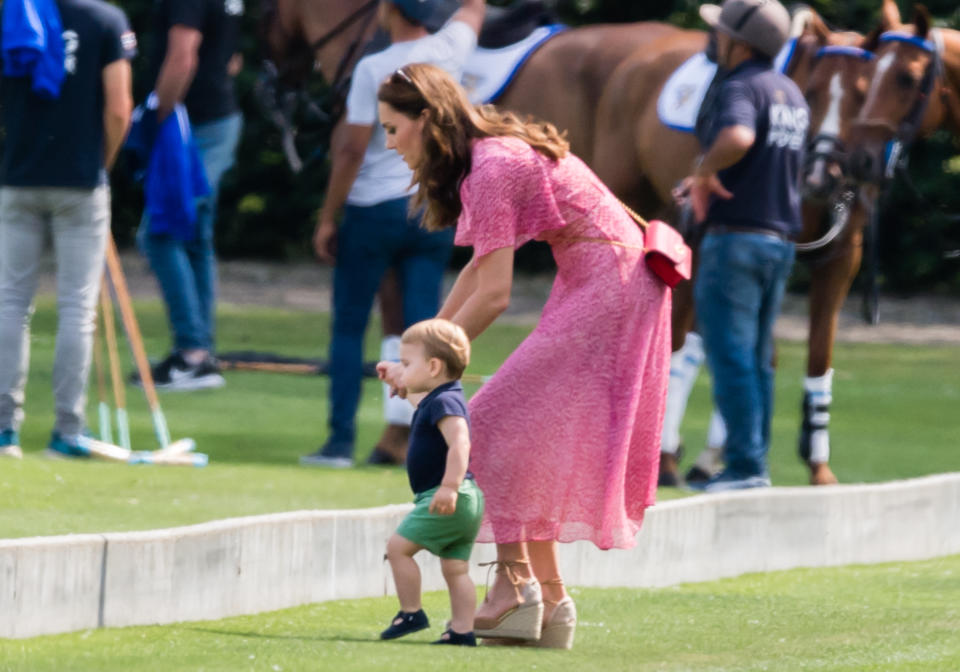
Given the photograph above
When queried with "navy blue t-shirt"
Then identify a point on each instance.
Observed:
(766, 181)
(211, 94)
(427, 453)
(59, 143)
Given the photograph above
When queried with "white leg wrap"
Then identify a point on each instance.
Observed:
(684, 366)
(396, 411)
(819, 392)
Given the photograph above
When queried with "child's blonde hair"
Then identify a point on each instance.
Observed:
(444, 340)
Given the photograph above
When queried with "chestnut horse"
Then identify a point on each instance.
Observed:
(642, 159)
(914, 92)
(560, 82)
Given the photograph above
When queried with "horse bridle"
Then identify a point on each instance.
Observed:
(906, 132)
(280, 105)
(843, 199)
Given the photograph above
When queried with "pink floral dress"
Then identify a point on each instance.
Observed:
(566, 435)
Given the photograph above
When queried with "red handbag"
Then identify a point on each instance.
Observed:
(664, 250)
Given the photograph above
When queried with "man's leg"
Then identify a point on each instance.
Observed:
(424, 258)
(781, 255)
(22, 223)
(361, 262)
(217, 144)
(171, 266)
(728, 293)
(81, 224)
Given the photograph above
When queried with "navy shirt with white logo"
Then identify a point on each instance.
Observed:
(427, 453)
(211, 94)
(766, 181)
(59, 143)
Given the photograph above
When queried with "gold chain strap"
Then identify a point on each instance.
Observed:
(637, 218)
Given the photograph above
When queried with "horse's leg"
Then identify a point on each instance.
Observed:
(830, 283)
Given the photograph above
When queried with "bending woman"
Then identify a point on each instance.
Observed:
(566, 434)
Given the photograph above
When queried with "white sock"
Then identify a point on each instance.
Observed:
(684, 366)
(396, 411)
(819, 392)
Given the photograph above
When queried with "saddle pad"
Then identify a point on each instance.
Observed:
(681, 97)
(488, 72)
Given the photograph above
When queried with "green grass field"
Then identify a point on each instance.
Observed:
(882, 618)
(894, 416)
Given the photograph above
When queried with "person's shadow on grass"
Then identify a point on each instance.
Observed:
(317, 638)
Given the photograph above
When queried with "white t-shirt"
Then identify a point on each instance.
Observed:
(384, 176)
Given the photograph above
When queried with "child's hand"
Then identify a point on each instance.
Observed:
(444, 502)
(390, 372)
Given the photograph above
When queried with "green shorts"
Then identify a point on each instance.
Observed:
(445, 536)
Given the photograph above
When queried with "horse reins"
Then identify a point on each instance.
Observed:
(842, 204)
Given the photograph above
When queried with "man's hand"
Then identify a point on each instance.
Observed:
(700, 188)
(325, 241)
(444, 502)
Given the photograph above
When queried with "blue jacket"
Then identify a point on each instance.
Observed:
(174, 176)
(33, 44)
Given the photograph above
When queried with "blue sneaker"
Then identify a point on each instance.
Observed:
(726, 480)
(10, 444)
(61, 446)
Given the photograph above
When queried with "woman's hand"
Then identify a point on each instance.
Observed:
(390, 372)
(444, 502)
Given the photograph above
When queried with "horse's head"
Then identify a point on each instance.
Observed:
(281, 34)
(896, 102)
(832, 69)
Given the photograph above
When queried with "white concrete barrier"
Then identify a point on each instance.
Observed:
(262, 563)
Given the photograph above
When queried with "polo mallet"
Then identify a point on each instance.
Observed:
(116, 379)
(117, 279)
(103, 408)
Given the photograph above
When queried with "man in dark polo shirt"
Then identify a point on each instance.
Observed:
(745, 190)
(56, 156)
(195, 63)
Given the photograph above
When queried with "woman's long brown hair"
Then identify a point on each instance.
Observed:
(452, 123)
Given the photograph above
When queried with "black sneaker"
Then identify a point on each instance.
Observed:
(406, 623)
(175, 373)
(457, 638)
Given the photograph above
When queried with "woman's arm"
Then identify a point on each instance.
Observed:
(464, 286)
(492, 281)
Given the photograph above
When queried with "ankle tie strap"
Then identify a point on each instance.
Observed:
(504, 567)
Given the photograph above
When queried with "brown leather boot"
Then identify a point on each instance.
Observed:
(392, 446)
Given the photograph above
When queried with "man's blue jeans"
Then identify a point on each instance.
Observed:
(187, 269)
(738, 290)
(371, 240)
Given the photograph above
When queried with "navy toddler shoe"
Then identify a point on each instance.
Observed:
(457, 639)
(405, 623)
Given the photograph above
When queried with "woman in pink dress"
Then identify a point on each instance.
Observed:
(566, 434)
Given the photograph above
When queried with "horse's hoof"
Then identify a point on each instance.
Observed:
(820, 474)
(696, 475)
(668, 471)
